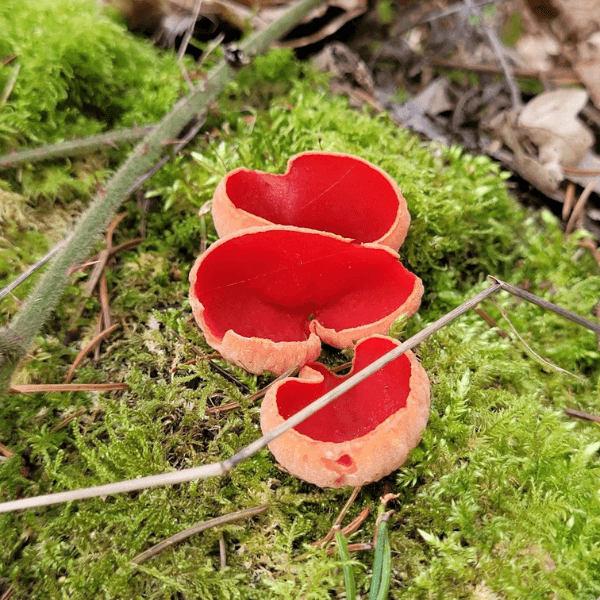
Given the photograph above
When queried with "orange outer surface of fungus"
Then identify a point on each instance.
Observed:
(266, 297)
(361, 436)
(326, 191)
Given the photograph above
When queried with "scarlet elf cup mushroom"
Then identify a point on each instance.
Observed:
(266, 297)
(310, 257)
(325, 191)
(361, 436)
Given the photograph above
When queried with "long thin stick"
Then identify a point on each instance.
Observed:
(563, 312)
(33, 268)
(182, 535)
(497, 47)
(220, 468)
(37, 388)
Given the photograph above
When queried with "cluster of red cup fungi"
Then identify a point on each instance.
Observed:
(305, 258)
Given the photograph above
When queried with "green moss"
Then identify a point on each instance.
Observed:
(79, 73)
(502, 491)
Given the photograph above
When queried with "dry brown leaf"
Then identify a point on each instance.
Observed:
(579, 16)
(174, 17)
(550, 122)
(537, 51)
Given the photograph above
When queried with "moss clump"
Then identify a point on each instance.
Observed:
(79, 73)
(499, 496)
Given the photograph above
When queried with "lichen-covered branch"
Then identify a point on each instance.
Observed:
(42, 301)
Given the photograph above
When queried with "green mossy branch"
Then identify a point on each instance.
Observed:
(42, 301)
(74, 147)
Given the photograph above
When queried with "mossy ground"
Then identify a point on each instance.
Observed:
(501, 497)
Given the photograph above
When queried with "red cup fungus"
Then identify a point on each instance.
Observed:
(267, 297)
(326, 191)
(361, 436)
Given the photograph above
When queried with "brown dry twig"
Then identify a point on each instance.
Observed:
(6, 452)
(222, 551)
(291, 372)
(68, 419)
(10, 84)
(339, 519)
(498, 48)
(88, 348)
(569, 200)
(592, 247)
(178, 537)
(8, 593)
(352, 548)
(578, 210)
(66, 387)
(581, 415)
(490, 322)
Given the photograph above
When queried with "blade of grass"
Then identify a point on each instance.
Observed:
(349, 581)
(382, 561)
(386, 569)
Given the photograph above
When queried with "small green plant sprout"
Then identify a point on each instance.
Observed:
(349, 580)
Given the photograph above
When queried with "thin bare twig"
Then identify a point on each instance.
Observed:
(87, 349)
(563, 312)
(569, 199)
(178, 537)
(222, 551)
(581, 415)
(223, 408)
(592, 247)
(104, 302)
(577, 213)
(42, 261)
(188, 34)
(356, 523)
(330, 535)
(6, 452)
(490, 321)
(8, 593)
(66, 387)
(291, 372)
(220, 468)
(98, 331)
(496, 44)
(233, 405)
(530, 350)
(557, 75)
(210, 48)
(10, 84)
(352, 547)
(68, 419)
